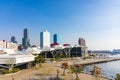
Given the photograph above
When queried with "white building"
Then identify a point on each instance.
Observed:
(8, 45)
(44, 39)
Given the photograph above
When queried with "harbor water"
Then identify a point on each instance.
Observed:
(109, 69)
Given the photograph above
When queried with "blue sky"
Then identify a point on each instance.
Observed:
(98, 21)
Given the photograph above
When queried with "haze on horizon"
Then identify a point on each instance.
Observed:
(97, 21)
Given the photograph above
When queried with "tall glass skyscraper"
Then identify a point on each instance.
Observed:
(13, 39)
(57, 38)
(25, 39)
(44, 39)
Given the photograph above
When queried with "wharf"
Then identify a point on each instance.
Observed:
(94, 61)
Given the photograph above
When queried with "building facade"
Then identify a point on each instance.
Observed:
(57, 38)
(13, 39)
(44, 39)
(82, 43)
(25, 39)
(8, 45)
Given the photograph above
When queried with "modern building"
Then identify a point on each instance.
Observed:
(13, 39)
(76, 51)
(57, 38)
(8, 45)
(82, 43)
(44, 39)
(25, 39)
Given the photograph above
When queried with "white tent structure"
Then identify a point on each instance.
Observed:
(33, 50)
(8, 56)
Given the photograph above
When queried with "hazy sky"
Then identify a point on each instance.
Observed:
(97, 21)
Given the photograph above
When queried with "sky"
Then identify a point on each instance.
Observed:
(97, 21)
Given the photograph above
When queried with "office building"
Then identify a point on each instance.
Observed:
(25, 39)
(44, 39)
(13, 39)
(82, 43)
(57, 38)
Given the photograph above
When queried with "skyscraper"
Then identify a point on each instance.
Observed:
(13, 39)
(25, 39)
(57, 38)
(44, 39)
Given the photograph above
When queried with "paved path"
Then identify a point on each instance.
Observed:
(44, 73)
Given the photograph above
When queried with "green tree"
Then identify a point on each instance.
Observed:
(77, 69)
(39, 60)
(65, 66)
(117, 77)
(10, 64)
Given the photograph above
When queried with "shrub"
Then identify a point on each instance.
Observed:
(14, 70)
(117, 77)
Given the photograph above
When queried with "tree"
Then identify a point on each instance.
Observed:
(39, 60)
(96, 71)
(117, 77)
(10, 64)
(77, 69)
(65, 66)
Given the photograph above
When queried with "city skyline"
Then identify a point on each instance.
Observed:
(97, 21)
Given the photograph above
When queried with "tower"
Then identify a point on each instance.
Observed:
(57, 38)
(44, 39)
(25, 39)
(13, 39)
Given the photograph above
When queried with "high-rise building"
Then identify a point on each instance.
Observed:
(82, 42)
(57, 38)
(13, 39)
(44, 39)
(25, 39)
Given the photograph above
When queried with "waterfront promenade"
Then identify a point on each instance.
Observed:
(92, 61)
(48, 71)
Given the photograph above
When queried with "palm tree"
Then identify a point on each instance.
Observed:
(65, 66)
(77, 69)
(117, 77)
(96, 71)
